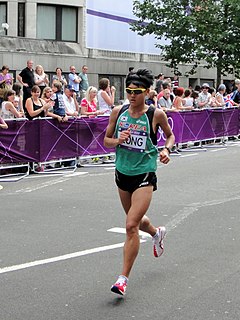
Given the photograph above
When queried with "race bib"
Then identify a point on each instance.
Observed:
(136, 142)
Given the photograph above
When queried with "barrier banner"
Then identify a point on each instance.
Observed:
(91, 132)
(57, 140)
(20, 142)
(203, 124)
(42, 140)
(224, 122)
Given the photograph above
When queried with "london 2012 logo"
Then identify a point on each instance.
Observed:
(161, 136)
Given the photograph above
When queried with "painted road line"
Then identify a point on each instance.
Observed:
(123, 231)
(189, 155)
(62, 258)
(216, 150)
(1, 187)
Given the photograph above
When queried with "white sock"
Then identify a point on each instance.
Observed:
(156, 234)
(122, 278)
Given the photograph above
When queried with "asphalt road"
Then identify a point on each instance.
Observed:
(58, 258)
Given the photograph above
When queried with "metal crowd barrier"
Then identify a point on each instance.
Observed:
(19, 170)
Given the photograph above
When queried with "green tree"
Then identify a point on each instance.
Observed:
(196, 30)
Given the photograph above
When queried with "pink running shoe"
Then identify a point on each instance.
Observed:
(158, 247)
(120, 286)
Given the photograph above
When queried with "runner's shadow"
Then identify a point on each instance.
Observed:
(116, 302)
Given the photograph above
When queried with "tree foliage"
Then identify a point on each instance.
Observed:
(196, 30)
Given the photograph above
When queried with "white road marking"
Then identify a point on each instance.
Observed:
(123, 230)
(171, 225)
(189, 155)
(216, 150)
(46, 184)
(61, 258)
(1, 187)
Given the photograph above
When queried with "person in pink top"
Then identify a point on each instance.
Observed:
(5, 78)
(89, 103)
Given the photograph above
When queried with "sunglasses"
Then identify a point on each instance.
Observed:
(135, 91)
(205, 87)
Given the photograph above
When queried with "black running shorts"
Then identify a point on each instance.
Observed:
(131, 183)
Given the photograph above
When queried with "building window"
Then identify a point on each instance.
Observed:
(57, 23)
(3, 18)
(21, 19)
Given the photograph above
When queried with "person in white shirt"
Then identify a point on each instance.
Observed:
(106, 96)
(204, 97)
(40, 77)
(70, 101)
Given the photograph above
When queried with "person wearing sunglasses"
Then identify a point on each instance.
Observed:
(132, 131)
(204, 97)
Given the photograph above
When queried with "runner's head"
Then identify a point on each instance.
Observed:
(142, 78)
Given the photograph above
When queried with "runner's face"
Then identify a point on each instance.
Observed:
(137, 99)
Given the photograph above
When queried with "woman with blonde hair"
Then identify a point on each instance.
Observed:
(89, 103)
(40, 77)
(46, 94)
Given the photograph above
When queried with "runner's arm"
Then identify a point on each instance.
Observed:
(109, 140)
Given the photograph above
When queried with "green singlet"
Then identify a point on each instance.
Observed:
(138, 154)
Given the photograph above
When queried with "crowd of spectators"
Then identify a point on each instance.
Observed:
(35, 95)
(169, 96)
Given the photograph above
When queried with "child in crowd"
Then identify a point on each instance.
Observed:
(59, 111)
(18, 100)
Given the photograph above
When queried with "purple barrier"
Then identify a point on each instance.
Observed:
(90, 136)
(57, 140)
(46, 139)
(20, 142)
(202, 124)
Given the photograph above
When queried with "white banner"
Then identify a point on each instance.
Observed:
(108, 28)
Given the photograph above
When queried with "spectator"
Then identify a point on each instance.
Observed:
(6, 81)
(59, 108)
(159, 82)
(187, 100)
(152, 99)
(175, 81)
(195, 95)
(236, 93)
(197, 88)
(26, 78)
(40, 77)
(35, 106)
(165, 85)
(89, 103)
(60, 78)
(3, 124)
(204, 97)
(165, 101)
(5, 78)
(46, 94)
(83, 85)
(178, 101)
(213, 103)
(74, 80)
(130, 69)
(18, 96)
(106, 96)
(8, 109)
(70, 100)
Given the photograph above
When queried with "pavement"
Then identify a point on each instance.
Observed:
(62, 237)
